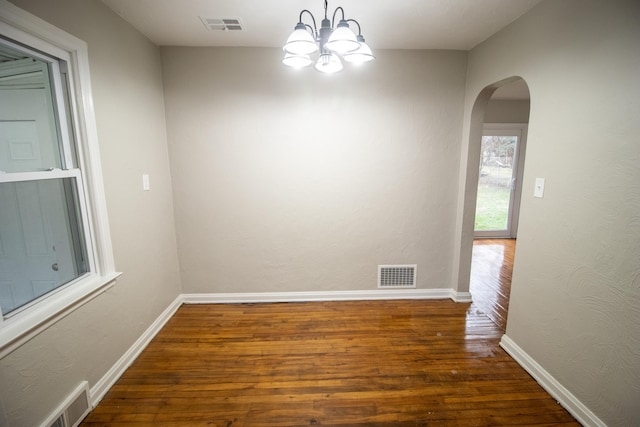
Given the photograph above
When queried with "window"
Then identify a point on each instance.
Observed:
(55, 250)
(42, 234)
(500, 180)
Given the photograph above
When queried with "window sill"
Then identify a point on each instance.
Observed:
(17, 330)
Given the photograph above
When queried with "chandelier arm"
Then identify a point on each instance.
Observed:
(313, 32)
(315, 27)
(334, 15)
(358, 24)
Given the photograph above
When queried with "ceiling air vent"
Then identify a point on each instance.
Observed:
(397, 276)
(222, 24)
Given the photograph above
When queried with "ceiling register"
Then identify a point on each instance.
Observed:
(332, 42)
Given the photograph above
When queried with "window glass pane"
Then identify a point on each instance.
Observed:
(29, 130)
(495, 182)
(41, 241)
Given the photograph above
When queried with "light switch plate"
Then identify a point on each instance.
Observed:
(538, 190)
(145, 182)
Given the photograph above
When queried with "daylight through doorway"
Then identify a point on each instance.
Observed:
(502, 149)
(499, 180)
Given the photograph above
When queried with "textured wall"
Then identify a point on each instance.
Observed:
(289, 180)
(576, 286)
(128, 98)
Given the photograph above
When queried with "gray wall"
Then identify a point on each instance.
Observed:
(576, 282)
(128, 98)
(289, 180)
(507, 111)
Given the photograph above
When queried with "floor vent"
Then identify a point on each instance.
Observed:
(397, 276)
(73, 410)
(222, 24)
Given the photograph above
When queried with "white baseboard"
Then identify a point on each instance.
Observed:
(262, 297)
(551, 385)
(98, 391)
(460, 296)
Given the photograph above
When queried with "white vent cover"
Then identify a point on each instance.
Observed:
(222, 24)
(397, 276)
(72, 410)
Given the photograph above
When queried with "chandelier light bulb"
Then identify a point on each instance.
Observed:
(300, 42)
(297, 61)
(342, 39)
(361, 55)
(328, 63)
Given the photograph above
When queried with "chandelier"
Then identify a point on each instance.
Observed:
(331, 43)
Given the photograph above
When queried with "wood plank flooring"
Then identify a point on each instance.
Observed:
(490, 283)
(364, 363)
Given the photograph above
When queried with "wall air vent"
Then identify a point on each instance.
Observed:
(72, 410)
(397, 276)
(222, 24)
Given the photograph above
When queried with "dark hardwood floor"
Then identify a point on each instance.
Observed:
(490, 284)
(365, 363)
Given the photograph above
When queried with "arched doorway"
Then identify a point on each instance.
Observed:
(501, 166)
(502, 153)
(500, 109)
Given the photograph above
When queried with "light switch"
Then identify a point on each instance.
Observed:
(145, 182)
(538, 190)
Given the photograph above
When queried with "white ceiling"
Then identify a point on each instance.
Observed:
(386, 24)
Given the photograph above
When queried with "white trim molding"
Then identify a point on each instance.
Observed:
(15, 332)
(551, 385)
(109, 379)
(19, 327)
(259, 297)
(460, 296)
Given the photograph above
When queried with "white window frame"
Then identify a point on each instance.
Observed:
(32, 31)
(509, 129)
